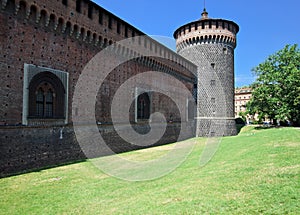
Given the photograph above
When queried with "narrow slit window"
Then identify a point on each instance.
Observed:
(78, 6)
(110, 23)
(100, 17)
(126, 31)
(118, 28)
(65, 2)
(90, 11)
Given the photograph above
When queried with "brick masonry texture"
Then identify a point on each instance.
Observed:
(209, 44)
(63, 37)
(215, 100)
(30, 148)
(27, 38)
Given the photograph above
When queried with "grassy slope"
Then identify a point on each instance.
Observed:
(255, 172)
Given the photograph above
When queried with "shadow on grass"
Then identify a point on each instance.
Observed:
(39, 169)
(263, 127)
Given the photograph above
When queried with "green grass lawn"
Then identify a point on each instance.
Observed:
(256, 172)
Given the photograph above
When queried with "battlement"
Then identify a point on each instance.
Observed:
(81, 18)
(206, 31)
(85, 21)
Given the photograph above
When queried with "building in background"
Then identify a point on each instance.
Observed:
(241, 97)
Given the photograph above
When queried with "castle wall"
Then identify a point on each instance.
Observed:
(29, 36)
(26, 149)
(65, 36)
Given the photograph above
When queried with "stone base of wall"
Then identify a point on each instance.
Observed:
(24, 149)
(216, 127)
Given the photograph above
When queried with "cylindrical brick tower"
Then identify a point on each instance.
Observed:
(210, 43)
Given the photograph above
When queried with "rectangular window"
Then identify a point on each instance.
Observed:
(90, 11)
(100, 17)
(212, 82)
(40, 103)
(65, 2)
(109, 22)
(213, 65)
(49, 110)
(126, 31)
(78, 6)
(39, 109)
(118, 27)
(213, 100)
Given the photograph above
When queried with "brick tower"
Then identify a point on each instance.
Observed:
(210, 43)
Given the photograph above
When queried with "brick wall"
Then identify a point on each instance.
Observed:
(26, 149)
(25, 38)
(53, 35)
(209, 44)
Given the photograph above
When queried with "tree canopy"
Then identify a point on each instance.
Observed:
(276, 91)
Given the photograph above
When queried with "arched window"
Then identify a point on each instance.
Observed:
(44, 100)
(46, 97)
(143, 106)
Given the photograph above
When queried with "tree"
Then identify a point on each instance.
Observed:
(276, 91)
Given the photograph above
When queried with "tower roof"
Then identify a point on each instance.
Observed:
(204, 14)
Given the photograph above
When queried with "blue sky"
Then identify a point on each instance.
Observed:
(266, 26)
